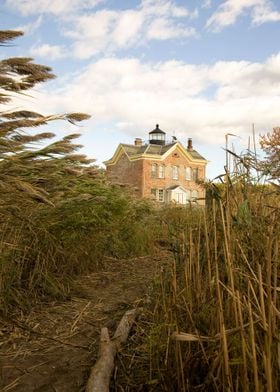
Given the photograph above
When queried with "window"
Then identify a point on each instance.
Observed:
(158, 194)
(161, 195)
(154, 170)
(195, 174)
(180, 198)
(188, 173)
(175, 172)
(154, 193)
(161, 171)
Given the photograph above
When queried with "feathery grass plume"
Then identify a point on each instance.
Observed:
(21, 114)
(8, 35)
(58, 214)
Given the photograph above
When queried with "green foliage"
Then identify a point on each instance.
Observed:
(270, 143)
(58, 215)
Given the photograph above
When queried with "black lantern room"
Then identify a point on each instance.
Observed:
(157, 136)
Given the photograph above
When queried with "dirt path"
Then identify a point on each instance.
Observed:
(53, 348)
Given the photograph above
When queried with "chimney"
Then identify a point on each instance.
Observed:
(138, 141)
(190, 146)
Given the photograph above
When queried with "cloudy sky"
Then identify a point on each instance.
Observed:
(199, 68)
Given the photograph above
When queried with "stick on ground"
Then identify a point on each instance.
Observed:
(99, 379)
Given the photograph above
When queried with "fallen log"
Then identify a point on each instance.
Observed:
(99, 379)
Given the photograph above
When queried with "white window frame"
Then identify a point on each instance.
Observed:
(175, 172)
(161, 171)
(188, 173)
(154, 170)
(180, 198)
(154, 193)
(195, 174)
(161, 195)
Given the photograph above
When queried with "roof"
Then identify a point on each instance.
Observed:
(154, 151)
(172, 188)
(156, 130)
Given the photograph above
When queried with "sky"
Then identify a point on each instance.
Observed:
(199, 68)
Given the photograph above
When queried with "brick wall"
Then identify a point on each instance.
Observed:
(127, 173)
(174, 159)
(138, 174)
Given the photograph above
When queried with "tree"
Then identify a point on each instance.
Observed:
(270, 143)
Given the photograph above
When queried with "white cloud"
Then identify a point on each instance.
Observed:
(175, 94)
(94, 32)
(48, 51)
(162, 29)
(206, 4)
(163, 8)
(109, 30)
(127, 27)
(57, 7)
(30, 28)
(265, 13)
(260, 11)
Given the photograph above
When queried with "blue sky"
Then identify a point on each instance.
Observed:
(199, 68)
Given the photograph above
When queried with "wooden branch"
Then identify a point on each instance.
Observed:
(99, 379)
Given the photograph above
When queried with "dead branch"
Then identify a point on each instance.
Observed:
(100, 374)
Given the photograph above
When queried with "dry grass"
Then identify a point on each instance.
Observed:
(219, 306)
(58, 215)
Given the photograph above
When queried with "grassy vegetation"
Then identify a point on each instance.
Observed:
(58, 214)
(216, 319)
(43, 247)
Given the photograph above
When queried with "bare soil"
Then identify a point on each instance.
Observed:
(53, 348)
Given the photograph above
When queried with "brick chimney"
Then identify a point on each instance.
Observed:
(190, 146)
(138, 141)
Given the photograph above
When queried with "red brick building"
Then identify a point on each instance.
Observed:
(167, 172)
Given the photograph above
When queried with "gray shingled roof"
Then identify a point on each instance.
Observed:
(155, 149)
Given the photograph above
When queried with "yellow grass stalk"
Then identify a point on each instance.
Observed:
(245, 383)
(268, 336)
(174, 283)
(253, 348)
(229, 385)
(275, 277)
(228, 259)
(207, 246)
(214, 208)
(261, 295)
(181, 369)
(222, 328)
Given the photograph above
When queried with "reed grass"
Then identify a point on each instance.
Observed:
(58, 214)
(43, 247)
(221, 298)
